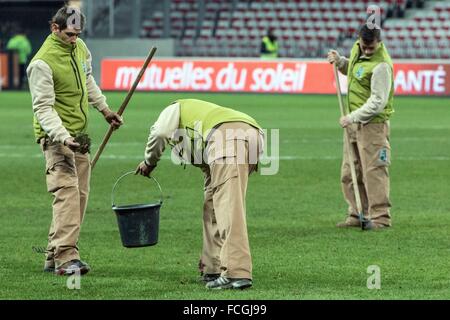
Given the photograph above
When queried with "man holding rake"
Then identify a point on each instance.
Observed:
(62, 88)
(370, 102)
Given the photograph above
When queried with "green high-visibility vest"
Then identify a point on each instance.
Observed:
(21, 44)
(68, 64)
(271, 47)
(359, 75)
(200, 117)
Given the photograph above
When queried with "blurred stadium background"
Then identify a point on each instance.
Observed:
(305, 29)
(209, 45)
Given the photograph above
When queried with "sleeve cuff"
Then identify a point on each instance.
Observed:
(148, 164)
(353, 117)
(63, 138)
(101, 107)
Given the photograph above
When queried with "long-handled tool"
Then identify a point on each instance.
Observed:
(123, 106)
(351, 156)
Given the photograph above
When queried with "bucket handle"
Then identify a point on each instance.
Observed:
(133, 172)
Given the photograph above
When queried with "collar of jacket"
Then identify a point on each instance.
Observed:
(66, 47)
(362, 56)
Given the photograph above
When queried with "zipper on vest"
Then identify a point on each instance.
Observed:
(75, 73)
(78, 76)
(350, 84)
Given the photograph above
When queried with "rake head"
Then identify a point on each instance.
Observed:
(365, 223)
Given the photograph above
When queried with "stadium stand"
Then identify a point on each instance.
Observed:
(428, 31)
(304, 28)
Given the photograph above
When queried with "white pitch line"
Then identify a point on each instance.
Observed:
(264, 159)
(285, 141)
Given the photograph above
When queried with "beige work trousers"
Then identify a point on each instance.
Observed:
(231, 158)
(67, 176)
(370, 145)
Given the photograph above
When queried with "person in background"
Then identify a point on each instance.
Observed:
(20, 43)
(269, 45)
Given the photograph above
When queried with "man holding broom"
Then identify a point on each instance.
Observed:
(62, 87)
(370, 102)
(226, 145)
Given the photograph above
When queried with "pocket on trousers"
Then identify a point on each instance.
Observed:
(60, 170)
(223, 170)
(52, 161)
(234, 147)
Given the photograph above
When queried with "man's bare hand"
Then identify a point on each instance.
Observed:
(144, 170)
(333, 57)
(345, 121)
(113, 118)
(71, 144)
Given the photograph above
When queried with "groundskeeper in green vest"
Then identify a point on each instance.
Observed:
(367, 151)
(68, 65)
(62, 86)
(231, 144)
(359, 77)
(193, 120)
(202, 116)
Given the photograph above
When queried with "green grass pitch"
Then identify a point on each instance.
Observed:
(297, 251)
